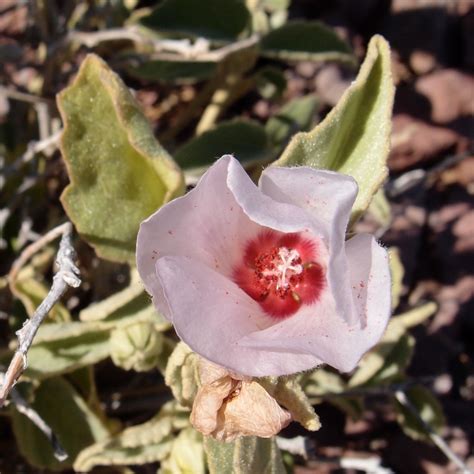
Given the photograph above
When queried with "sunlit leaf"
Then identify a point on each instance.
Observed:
(397, 272)
(119, 173)
(182, 374)
(246, 455)
(140, 444)
(287, 392)
(187, 454)
(354, 137)
(417, 315)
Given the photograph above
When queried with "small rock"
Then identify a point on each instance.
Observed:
(331, 82)
(415, 142)
(450, 92)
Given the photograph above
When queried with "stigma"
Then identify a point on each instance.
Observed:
(281, 272)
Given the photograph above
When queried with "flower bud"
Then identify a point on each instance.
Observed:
(136, 346)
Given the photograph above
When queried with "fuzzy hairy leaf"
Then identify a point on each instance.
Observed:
(182, 374)
(217, 19)
(187, 454)
(354, 137)
(64, 347)
(310, 41)
(119, 173)
(140, 444)
(287, 392)
(246, 455)
(74, 423)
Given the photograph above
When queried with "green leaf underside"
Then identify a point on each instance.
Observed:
(354, 137)
(214, 19)
(246, 455)
(74, 423)
(173, 71)
(245, 139)
(119, 173)
(299, 40)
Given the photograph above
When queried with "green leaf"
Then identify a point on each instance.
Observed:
(246, 455)
(31, 291)
(387, 359)
(112, 304)
(305, 41)
(119, 173)
(295, 116)
(216, 19)
(187, 454)
(287, 392)
(417, 315)
(427, 407)
(64, 347)
(74, 423)
(397, 272)
(271, 82)
(354, 137)
(175, 72)
(182, 374)
(140, 444)
(136, 346)
(46, 359)
(321, 382)
(245, 139)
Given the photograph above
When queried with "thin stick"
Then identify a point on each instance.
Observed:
(29, 251)
(23, 407)
(197, 51)
(400, 395)
(67, 275)
(23, 96)
(32, 149)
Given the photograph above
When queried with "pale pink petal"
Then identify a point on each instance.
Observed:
(319, 331)
(328, 197)
(261, 208)
(211, 314)
(206, 224)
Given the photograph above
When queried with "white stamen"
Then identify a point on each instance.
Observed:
(287, 257)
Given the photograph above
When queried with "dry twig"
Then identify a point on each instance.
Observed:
(402, 398)
(67, 275)
(23, 407)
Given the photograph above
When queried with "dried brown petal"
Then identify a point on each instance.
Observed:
(251, 411)
(228, 406)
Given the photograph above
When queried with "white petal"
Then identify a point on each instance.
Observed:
(211, 314)
(328, 197)
(319, 331)
(206, 224)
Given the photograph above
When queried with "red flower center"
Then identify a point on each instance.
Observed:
(280, 272)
